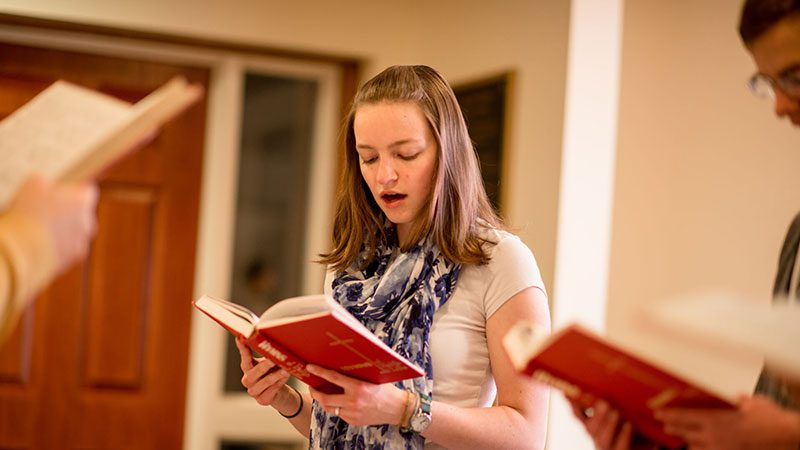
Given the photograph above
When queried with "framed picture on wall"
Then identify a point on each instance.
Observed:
(485, 105)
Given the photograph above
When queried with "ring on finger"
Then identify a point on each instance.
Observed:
(336, 411)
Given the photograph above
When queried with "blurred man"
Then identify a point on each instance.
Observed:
(770, 30)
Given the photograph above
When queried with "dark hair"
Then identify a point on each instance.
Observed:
(758, 16)
(458, 202)
(255, 268)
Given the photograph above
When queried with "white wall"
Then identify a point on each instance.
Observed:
(706, 176)
(471, 39)
(587, 186)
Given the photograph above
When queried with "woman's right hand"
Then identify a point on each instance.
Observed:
(262, 378)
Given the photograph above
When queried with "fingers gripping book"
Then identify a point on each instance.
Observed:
(312, 329)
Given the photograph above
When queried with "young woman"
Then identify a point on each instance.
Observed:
(420, 257)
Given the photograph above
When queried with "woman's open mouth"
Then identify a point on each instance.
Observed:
(392, 199)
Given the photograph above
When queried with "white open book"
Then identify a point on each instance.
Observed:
(70, 133)
(770, 330)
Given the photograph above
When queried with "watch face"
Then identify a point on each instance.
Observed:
(420, 422)
(422, 417)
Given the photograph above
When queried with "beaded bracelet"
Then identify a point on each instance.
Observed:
(299, 409)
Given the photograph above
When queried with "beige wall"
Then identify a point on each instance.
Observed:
(529, 38)
(707, 179)
(354, 28)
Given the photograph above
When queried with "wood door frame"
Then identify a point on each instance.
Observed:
(208, 411)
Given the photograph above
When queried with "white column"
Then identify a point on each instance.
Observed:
(587, 185)
(214, 252)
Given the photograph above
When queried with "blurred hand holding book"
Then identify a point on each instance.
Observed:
(688, 352)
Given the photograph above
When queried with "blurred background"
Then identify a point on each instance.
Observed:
(617, 139)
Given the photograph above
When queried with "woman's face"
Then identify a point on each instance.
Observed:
(397, 154)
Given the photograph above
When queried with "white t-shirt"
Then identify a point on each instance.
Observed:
(462, 375)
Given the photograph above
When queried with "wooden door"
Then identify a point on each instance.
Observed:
(100, 360)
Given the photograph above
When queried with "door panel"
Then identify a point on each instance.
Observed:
(115, 344)
(100, 360)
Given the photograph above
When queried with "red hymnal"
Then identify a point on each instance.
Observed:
(586, 366)
(312, 329)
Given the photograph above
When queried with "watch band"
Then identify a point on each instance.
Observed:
(421, 419)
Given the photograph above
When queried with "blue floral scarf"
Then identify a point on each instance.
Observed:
(395, 296)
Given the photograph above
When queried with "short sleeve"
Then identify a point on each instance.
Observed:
(512, 268)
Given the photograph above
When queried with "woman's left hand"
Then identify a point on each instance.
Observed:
(361, 403)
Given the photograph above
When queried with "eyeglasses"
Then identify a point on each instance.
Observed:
(763, 86)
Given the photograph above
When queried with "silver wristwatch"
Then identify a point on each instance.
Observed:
(421, 419)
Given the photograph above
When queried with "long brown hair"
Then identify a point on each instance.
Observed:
(458, 201)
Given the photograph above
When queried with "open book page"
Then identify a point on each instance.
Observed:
(232, 316)
(523, 341)
(145, 117)
(53, 130)
(296, 307)
(739, 324)
(304, 307)
(70, 133)
(723, 370)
